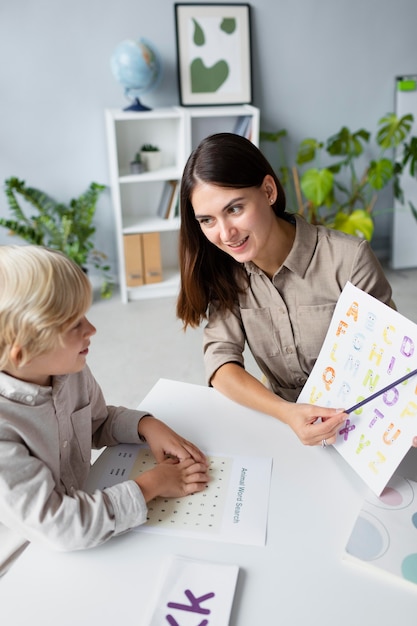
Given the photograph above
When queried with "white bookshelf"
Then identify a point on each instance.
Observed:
(135, 197)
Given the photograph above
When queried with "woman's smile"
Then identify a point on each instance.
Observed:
(237, 244)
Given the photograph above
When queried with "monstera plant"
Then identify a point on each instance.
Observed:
(68, 228)
(337, 185)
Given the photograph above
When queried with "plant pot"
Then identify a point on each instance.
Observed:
(136, 167)
(151, 160)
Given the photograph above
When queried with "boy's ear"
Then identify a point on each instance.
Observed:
(16, 355)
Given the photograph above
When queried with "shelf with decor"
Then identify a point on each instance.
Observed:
(146, 204)
(165, 173)
(242, 119)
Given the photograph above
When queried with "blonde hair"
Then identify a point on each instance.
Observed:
(42, 292)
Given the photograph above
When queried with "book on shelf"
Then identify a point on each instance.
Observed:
(168, 192)
(173, 209)
(243, 126)
(177, 204)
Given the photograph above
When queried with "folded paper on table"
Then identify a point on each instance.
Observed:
(232, 508)
(194, 592)
(384, 534)
(368, 346)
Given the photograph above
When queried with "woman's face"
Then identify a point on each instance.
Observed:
(240, 222)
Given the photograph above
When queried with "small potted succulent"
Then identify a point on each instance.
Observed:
(136, 165)
(150, 157)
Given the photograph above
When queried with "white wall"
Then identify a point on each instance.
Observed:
(318, 64)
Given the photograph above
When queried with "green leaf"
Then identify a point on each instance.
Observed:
(358, 223)
(316, 185)
(345, 143)
(270, 136)
(307, 151)
(380, 173)
(336, 167)
(410, 156)
(393, 130)
(68, 228)
(413, 209)
(27, 233)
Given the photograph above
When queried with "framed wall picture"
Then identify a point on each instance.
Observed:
(214, 54)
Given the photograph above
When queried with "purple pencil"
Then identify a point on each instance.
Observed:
(381, 391)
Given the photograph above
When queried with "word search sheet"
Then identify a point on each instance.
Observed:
(232, 508)
(368, 347)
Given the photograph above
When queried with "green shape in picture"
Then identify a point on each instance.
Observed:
(228, 25)
(208, 79)
(198, 37)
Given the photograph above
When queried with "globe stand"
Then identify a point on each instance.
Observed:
(137, 106)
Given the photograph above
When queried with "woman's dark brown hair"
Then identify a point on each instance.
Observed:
(208, 273)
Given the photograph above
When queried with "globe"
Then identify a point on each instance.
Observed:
(136, 66)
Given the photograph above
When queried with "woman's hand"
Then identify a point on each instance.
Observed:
(163, 441)
(173, 479)
(313, 424)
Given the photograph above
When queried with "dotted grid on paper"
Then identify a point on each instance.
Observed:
(202, 511)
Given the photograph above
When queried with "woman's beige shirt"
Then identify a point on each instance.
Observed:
(284, 320)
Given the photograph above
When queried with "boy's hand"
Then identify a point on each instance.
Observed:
(163, 441)
(173, 479)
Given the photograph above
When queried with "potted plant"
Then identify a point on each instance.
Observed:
(136, 165)
(341, 188)
(150, 156)
(67, 228)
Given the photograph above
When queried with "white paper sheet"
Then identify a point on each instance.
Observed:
(384, 534)
(368, 346)
(194, 592)
(233, 507)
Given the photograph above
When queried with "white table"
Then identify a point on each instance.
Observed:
(298, 578)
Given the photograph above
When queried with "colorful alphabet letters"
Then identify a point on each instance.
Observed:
(368, 346)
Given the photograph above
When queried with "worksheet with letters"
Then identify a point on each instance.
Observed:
(368, 347)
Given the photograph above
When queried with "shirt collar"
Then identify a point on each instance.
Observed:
(19, 390)
(24, 392)
(301, 253)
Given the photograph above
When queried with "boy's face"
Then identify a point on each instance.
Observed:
(68, 357)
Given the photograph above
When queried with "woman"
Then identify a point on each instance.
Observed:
(262, 276)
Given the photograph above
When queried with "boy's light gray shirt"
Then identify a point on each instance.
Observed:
(46, 436)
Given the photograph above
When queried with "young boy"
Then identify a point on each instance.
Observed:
(52, 412)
